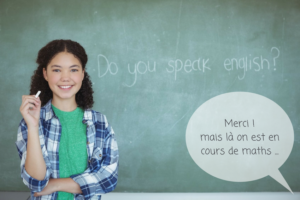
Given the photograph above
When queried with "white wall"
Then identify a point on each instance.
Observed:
(203, 196)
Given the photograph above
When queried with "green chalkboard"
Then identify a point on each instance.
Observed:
(152, 64)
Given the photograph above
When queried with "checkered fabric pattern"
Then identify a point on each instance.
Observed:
(101, 174)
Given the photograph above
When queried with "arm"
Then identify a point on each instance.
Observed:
(34, 163)
(30, 181)
(102, 173)
(60, 184)
(30, 144)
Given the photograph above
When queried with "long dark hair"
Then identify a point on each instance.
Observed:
(84, 97)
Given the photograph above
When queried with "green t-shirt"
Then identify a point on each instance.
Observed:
(72, 147)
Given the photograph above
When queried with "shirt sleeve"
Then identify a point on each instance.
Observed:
(102, 174)
(33, 184)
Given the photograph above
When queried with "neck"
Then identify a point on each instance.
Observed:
(64, 105)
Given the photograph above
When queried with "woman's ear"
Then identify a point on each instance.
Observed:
(45, 74)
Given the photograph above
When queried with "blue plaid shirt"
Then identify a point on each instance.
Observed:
(101, 174)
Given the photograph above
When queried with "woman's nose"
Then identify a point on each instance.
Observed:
(65, 76)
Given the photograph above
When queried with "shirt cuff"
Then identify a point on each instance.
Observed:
(87, 184)
(34, 184)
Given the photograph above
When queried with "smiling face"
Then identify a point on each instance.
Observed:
(64, 74)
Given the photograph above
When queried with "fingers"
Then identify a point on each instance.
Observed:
(36, 194)
(30, 102)
(32, 97)
(30, 106)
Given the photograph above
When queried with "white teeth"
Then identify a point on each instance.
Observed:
(65, 87)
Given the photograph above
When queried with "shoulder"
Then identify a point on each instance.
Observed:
(97, 118)
(101, 127)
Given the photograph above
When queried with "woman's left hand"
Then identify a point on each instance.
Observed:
(49, 189)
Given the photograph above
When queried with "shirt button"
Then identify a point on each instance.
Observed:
(88, 142)
(100, 155)
(89, 161)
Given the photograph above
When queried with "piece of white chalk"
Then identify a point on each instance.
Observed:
(37, 94)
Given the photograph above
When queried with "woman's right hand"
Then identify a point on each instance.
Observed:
(30, 110)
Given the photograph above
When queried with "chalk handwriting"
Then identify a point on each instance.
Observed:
(188, 66)
(178, 67)
(140, 68)
(110, 67)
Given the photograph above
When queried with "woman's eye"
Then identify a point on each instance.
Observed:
(56, 70)
(74, 70)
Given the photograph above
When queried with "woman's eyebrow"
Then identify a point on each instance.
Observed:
(60, 66)
(55, 66)
(74, 66)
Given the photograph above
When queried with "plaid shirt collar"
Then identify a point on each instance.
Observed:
(87, 116)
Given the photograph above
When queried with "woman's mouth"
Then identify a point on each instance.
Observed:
(65, 87)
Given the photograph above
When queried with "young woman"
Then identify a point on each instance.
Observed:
(67, 150)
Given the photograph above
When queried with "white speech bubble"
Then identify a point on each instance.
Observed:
(251, 114)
